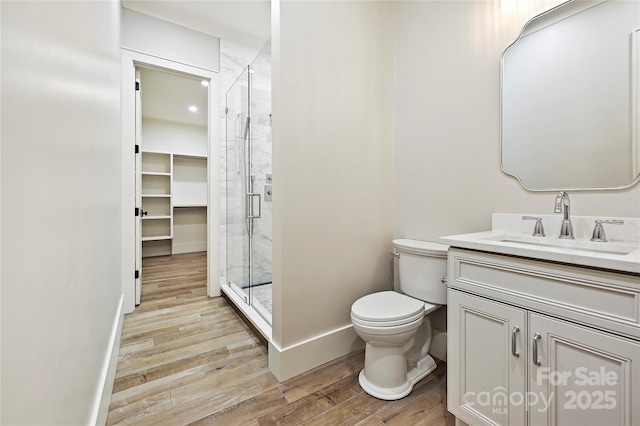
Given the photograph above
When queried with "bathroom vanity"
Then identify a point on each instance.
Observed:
(544, 332)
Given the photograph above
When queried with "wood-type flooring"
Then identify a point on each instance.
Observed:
(186, 358)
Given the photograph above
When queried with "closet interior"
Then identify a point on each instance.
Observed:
(173, 167)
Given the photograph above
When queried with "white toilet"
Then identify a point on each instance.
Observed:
(388, 321)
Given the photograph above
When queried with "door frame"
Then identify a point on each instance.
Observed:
(131, 59)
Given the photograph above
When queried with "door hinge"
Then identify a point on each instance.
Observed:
(137, 274)
(137, 149)
(226, 110)
(137, 211)
(137, 85)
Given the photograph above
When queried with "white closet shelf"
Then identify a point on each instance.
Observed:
(189, 206)
(157, 237)
(194, 156)
(156, 217)
(156, 195)
(155, 173)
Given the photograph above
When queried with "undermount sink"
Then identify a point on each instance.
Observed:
(595, 247)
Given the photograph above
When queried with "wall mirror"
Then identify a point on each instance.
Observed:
(570, 98)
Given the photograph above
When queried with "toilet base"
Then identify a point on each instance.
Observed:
(388, 394)
(425, 366)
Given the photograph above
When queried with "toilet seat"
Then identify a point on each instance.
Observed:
(386, 309)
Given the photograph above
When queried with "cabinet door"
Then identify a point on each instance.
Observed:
(486, 360)
(581, 376)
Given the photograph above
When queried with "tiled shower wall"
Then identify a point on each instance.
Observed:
(233, 60)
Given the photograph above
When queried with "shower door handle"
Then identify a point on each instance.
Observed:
(250, 214)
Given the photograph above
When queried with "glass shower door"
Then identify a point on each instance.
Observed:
(248, 185)
(238, 176)
(261, 183)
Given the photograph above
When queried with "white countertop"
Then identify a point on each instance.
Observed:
(620, 253)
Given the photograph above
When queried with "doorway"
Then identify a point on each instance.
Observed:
(171, 181)
(171, 165)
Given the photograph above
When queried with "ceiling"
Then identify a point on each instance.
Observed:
(246, 22)
(168, 96)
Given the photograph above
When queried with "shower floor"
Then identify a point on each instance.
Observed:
(262, 294)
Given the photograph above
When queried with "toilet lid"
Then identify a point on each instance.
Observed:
(386, 306)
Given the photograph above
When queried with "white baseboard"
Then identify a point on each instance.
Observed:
(288, 362)
(189, 247)
(105, 388)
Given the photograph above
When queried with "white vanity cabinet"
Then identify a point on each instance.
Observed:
(481, 372)
(536, 342)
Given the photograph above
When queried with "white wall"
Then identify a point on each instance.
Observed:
(61, 205)
(170, 136)
(333, 175)
(153, 36)
(448, 178)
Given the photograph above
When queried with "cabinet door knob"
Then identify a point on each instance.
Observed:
(536, 360)
(514, 350)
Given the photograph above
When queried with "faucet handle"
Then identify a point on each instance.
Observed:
(598, 230)
(538, 229)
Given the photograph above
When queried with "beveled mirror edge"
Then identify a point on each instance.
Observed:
(635, 65)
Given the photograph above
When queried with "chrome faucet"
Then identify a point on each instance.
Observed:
(562, 205)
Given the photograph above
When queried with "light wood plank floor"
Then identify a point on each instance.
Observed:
(186, 358)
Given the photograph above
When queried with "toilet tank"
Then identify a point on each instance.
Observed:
(421, 268)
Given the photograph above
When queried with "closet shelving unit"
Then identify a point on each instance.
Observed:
(189, 203)
(156, 194)
(174, 195)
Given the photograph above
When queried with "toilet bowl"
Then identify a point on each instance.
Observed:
(388, 321)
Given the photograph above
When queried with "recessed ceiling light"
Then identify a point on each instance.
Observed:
(205, 83)
(193, 108)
